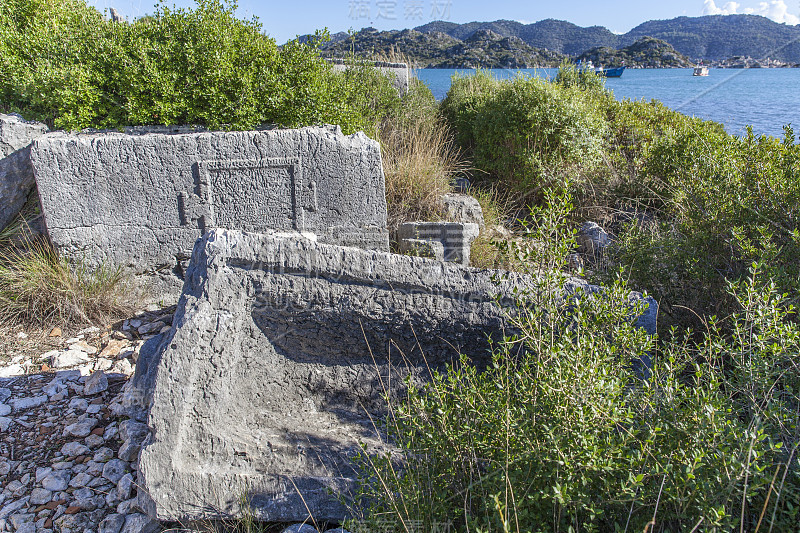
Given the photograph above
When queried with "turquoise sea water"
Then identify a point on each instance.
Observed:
(763, 98)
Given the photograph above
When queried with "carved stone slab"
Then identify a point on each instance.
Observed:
(141, 200)
(277, 362)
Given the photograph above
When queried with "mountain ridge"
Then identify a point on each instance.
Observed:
(709, 37)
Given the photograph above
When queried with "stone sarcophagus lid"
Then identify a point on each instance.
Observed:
(140, 200)
(278, 363)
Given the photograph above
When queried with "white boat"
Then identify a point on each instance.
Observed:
(700, 70)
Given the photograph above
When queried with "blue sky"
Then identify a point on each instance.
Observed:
(284, 19)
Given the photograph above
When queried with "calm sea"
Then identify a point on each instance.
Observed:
(763, 98)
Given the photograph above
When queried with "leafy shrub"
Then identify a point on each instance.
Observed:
(64, 64)
(727, 202)
(560, 434)
(419, 159)
(526, 132)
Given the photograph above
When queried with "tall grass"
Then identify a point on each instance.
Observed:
(39, 287)
(419, 159)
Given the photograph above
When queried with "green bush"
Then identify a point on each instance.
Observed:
(726, 202)
(559, 433)
(526, 132)
(64, 64)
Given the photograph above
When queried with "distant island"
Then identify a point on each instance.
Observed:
(725, 41)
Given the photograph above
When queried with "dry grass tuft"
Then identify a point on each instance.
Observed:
(39, 287)
(419, 161)
(485, 252)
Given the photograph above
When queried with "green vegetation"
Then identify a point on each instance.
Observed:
(39, 287)
(560, 433)
(526, 133)
(62, 63)
(693, 207)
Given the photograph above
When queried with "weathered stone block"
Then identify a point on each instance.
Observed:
(398, 73)
(463, 208)
(16, 174)
(455, 237)
(141, 201)
(422, 248)
(279, 349)
(277, 364)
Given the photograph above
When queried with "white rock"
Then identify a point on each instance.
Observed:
(86, 371)
(114, 470)
(127, 506)
(5, 410)
(125, 487)
(103, 364)
(112, 524)
(94, 408)
(93, 441)
(42, 472)
(30, 402)
(80, 480)
(92, 330)
(82, 346)
(22, 335)
(74, 449)
(5, 394)
(48, 356)
(56, 481)
(70, 358)
(139, 523)
(4, 423)
(97, 383)
(123, 366)
(80, 429)
(79, 404)
(41, 496)
(5, 468)
(53, 388)
(103, 455)
(11, 371)
(27, 527)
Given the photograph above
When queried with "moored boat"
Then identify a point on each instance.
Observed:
(612, 72)
(700, 70)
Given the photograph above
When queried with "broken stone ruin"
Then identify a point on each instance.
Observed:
(293, 325)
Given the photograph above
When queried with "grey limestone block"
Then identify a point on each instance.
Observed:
(422, 248)
(16, 174)
(140, 200)
(592, 239)
(399, 73)
(463, 208)
(455, 237)
(278, 362)
(276, 365)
